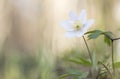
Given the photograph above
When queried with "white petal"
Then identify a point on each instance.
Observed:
(88, 24)
(70, 34)
(67, 25)
(83, 16)
(73, 16)
(80, 33)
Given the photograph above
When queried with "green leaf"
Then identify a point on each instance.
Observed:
(80, 60)
(64, 76)
(93, 31)
(107, 40)
(78, 74)
(75, 74)
(117, 64)
(82, 76)
(107, 37)
(85, 61)
(94, 34)
(108, 34)
(74, 60)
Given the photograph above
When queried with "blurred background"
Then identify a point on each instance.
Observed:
(32, 42)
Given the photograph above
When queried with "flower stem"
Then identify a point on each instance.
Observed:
(114, 71)
(116, 38)
(88, 49)
(113, 57)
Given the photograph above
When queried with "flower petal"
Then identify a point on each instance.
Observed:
(80, 33)
(84, 29)
(83, 16)
(88, 24)
(67, 25)
(73, 16)
(70, 34)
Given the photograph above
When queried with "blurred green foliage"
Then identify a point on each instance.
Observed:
(25, 66)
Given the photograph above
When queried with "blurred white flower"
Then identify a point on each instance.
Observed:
(77, 25)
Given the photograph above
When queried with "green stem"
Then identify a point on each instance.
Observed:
(113, 58)
(106, 68)
(116, 39)
(88, 49)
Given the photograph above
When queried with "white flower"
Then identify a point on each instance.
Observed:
(77, 25)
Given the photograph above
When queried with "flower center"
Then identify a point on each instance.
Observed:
(77, 25)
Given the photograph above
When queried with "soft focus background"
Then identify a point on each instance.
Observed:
(32, 42)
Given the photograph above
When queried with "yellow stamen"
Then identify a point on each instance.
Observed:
(77, 25)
